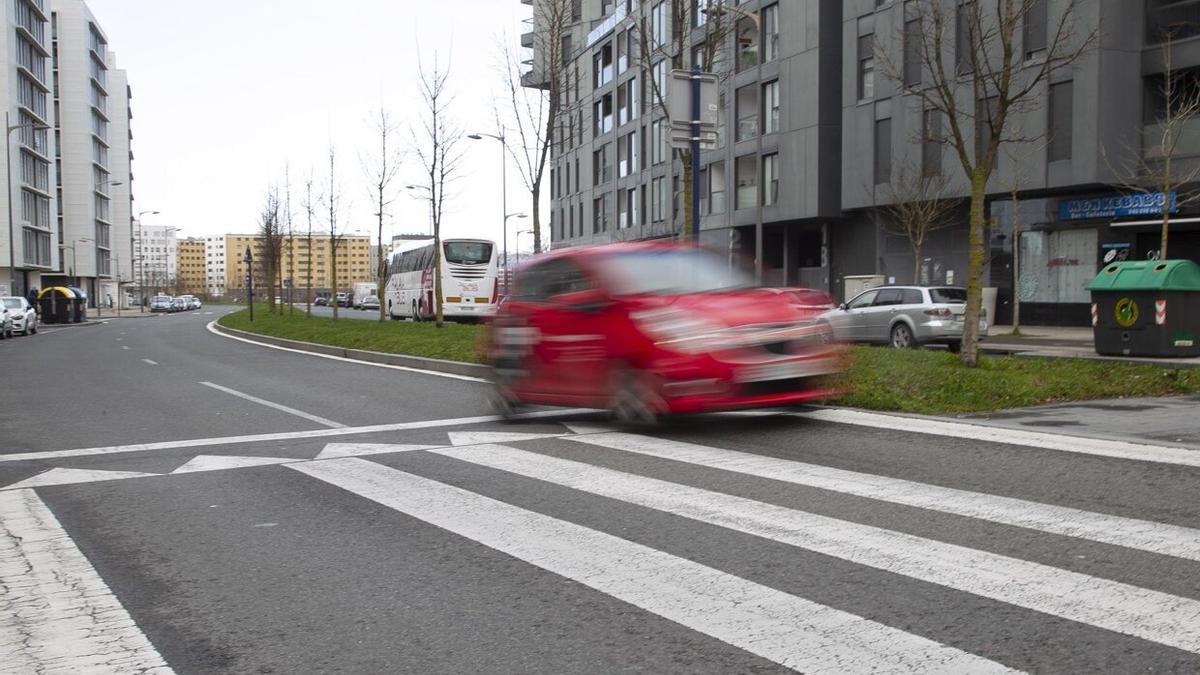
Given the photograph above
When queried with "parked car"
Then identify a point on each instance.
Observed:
(179, 305)
(6, 322)
(196, 304)
(903, 316)
(23, 315)
(161, 303)
(650, 328)
(321, 302)
(369, 303)
(343, 299)
(189, 301)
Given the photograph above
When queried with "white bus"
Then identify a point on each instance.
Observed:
(470, 282)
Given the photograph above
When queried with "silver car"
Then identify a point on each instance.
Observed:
(904, 316)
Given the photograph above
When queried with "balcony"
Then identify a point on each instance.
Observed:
(527, 40)
(535, 78)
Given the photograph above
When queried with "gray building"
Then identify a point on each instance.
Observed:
(815, 135)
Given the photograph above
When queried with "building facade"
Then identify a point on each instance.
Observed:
(214, 266)
(191, 276)
(156, 249)
(813, 137)
(29, 245)
(301, 267)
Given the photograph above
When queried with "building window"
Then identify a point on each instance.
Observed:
(1061, 119)
(602, 66)
(627, 154)
(658, 142)
(770, 174)
(746, 175)
(658, 198)
(770, 39)
(747, 45)
(602, 115)
(658, 24)
(771, 107)
(601, 166)
(1035, 28)
(627, 101)
(883, 151)
(660, 80)
(931, 143)
(912, 51)
(747, 113)
(716, 187)
(964, 44)
(866, 67)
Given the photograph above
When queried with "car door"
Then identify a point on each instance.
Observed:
(850, 322)
(877, 319)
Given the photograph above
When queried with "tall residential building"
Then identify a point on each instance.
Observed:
(214, 266)
(121, 186)
(29, 244)
(156, 249)
(298, 262)
(191, 270)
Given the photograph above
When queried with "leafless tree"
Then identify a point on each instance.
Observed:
(920, 203)
(975, 75)
(309, 206)
(1155, 166)
(381, 170)
(436, 144)
(270, 245)
(290, 238)
(333, 201)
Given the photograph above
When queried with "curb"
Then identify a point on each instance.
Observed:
(1034, 352)
(415, 362)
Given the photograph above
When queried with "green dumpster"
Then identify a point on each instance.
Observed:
(1147, 308)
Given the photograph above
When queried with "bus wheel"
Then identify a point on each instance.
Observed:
(416, 312)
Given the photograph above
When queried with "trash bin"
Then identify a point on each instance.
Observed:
(55, 304)
(1147, 308)
(79, 305)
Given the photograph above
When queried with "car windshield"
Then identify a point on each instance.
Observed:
(12, 303)
(948, 295)
(468, 252)
(671, 271)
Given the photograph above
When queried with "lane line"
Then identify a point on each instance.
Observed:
(1150, 615)
(281, 436)
(1172, 540)
(125, 347)
(276, 406)
(777, 626)
(450, 376)
(1032, 439)
(153, 363)
(57, 614)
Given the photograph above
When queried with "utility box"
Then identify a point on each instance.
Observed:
(1147, 308)
(853, 285)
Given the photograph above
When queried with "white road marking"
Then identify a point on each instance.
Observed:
(223, 462)
(280, 436)
(481, 437)
(1150, 615)
(1172, 540)
(1032, 439)
(125, 347)
(153, 363)
(73, 476)
(56, 613)
(339, 450)
(421, 371)
(277, 406)
(769, 623)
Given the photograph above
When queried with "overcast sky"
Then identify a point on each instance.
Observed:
(227, 93)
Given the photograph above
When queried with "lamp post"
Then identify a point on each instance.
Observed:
(519, 246)
(503, 192)
(71, 246)
(12, 238)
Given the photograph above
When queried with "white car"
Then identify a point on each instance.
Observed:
(6, 324)
(23, 315)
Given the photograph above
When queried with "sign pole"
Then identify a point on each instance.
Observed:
(695, 155)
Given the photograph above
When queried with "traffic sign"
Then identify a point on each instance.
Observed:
(679, 98)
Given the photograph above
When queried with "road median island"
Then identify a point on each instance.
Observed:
(918, 381)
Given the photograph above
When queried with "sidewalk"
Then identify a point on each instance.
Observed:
(1063, 342)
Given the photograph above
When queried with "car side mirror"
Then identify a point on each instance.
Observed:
(843, 307)
(590, 301)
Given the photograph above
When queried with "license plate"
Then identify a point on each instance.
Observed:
(469, 287)
(788, 370)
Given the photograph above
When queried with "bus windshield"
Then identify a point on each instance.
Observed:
(468, 252)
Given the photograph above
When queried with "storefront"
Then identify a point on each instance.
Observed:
(1064, 242)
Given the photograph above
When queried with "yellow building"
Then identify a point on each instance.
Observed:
(297, 262)
(190, 267)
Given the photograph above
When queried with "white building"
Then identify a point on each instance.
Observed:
(120, 157)
(29, 244)
(214, 263)
(157, 254)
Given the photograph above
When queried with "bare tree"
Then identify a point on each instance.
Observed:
(920, 204)
(381, 170)
(975, 75)
(436, 143)
(309, 206)
(1155, 167)
(333, 200)
(270, 245)
(290, 238)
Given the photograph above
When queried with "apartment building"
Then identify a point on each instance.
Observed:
(91, 101)
(29, 245)
(214, 266)
(191, 267)
(157, 251)
(298, 262)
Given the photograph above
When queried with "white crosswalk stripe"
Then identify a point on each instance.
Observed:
(778, 626)
(1144, 535)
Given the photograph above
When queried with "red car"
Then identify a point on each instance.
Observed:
(647, 329)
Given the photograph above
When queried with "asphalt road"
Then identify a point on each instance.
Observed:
(176, 500)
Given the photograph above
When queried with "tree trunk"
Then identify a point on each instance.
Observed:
(686, 235)
(1166, 226)
(1016, 321)
(381, 284)
(916, 264)
(975, 259)
(438, 317)
(333, 276)
(536, 193)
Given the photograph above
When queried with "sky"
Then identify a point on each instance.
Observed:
(229, 95)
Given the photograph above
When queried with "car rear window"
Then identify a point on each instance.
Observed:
(948, 296)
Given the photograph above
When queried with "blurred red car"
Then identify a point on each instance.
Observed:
(646, 329)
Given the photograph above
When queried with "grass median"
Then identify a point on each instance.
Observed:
(915, 381)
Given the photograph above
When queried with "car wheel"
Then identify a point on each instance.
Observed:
(634, 402)
(954, 347)
(902, 337)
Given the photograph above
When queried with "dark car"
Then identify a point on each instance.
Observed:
(321, 302)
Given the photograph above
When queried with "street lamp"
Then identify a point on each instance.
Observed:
(503, 191)
(12, 240)
(519, 246)
(71, 246)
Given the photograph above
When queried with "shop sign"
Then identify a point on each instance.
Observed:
(1115, 206)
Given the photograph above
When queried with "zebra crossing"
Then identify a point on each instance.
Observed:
(1119, 602)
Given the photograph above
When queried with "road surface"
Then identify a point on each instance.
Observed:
(171, 499)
